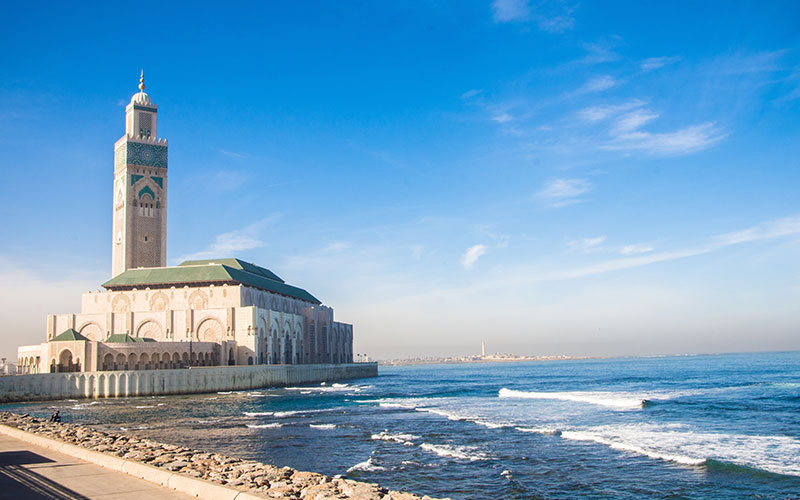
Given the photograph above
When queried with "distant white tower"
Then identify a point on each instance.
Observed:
(140, 189)
(483, 348)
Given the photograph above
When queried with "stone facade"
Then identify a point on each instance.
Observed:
(140, 189)
(200, 313)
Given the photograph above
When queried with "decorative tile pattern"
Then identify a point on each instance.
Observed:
(159, 181)
(148, 155)
(136, 178)
(147, 190)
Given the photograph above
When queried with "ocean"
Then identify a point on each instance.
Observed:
(679, 427)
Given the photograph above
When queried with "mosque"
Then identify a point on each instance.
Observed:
(199, 313)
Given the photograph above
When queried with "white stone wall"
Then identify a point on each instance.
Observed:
(255, 326)
(158, 382)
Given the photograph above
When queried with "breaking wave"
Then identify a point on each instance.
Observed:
(453, 451)
(366, 466)
(679, 444)
(406, 439)
(265, 426)
(322, 426)
(615, 400)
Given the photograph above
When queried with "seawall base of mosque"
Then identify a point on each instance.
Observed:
(195, 380)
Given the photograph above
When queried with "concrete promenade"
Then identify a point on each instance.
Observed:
(31, 472)
(195, 380)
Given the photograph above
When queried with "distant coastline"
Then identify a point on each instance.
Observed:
(489, 358)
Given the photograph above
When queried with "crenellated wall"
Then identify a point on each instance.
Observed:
(196, 380)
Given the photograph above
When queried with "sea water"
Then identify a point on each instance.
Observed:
(695, 427)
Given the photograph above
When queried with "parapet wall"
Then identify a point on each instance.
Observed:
(115, 384)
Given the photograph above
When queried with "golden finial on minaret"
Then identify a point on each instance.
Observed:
(141, 81)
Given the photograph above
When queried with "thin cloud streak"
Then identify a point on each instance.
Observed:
(510, 10)
(682, 141)
(557, 193)
(597, 84)
(229, 243)
(525, 276)
(472, 255)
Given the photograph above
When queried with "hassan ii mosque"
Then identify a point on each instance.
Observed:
(199, 313)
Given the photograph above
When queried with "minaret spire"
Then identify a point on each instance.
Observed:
(141, 81)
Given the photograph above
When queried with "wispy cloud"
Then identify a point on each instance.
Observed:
(597, 84)
(633, 120)
(771, 229)
(471, 93)
(510, 10)
(336, 246)
(557, 193)
(472, 255)
(682, 141)
(552, 16)
(599, 52)
(229, 243)
(636, 248)
(233, 154)
(525, 275)
(652, 63)
(600, 113)
(625, 129)
(219, 180)
(586, 244)
(502, 118)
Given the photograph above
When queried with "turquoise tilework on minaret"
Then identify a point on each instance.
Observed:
(148, 155)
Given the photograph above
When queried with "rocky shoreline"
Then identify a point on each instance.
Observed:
(244, 475)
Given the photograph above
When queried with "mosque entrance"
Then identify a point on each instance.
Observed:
(65, 363)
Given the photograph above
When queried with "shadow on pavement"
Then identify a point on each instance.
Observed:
(17, 482)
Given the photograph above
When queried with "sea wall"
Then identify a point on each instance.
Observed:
(205, 475)
(115, 384)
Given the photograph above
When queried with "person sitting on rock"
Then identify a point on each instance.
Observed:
(56, 417)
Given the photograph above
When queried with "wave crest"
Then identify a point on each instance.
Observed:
(615, 400)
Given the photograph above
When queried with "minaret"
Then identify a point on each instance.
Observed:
(140, 189)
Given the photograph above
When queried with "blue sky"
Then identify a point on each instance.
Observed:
(548, 177)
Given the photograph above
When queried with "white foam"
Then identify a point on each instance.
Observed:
(490, 425)
(546, 430)
(679, 443)
(289, 413)
(259, 413)
(616, 400)
(392, 405)
(322, 426)
(442, 413)
(144, 406)
(265, 426)
(366, 466)
(406, 439)
(325, 388)
(453, 451)
(623, 446)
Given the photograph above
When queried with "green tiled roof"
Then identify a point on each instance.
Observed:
(236, 264)
(124, 338)
(202, 272)
(68, 334)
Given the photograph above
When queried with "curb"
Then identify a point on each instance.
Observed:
(192, 486)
